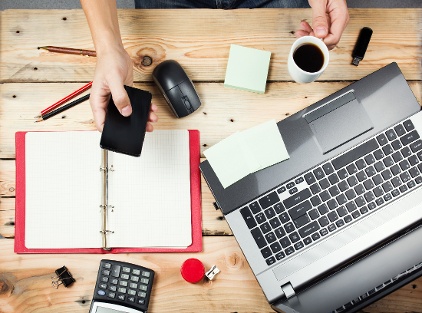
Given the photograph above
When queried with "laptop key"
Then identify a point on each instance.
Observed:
(299, 245)
(266, 252)
(408, 125)
(294, 237)
(279, 232)
(247, 216)
(268, 200)
(410, 137)
(297, 198)
(301, 221)
(416, 146)
(275, 247)
(309, 229)
(310, 178)
(285, 242)
(300, 209)
(260, 218)
(400, 130)
(279, 256)
(270, 260)
(289, 250)
(255, 208)
(259, 238)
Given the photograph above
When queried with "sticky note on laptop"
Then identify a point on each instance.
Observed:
(247, 68)
(246, 152)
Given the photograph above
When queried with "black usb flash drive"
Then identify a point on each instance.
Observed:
(361, 45)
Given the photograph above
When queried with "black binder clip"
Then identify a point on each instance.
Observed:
(64, 277)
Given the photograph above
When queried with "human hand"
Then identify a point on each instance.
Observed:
(114, 69)
(329, 19)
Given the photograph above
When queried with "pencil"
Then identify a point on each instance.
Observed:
(65, 99)
(63, 108)
(90, 53)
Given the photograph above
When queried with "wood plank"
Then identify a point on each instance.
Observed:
(223, 112)
(27, 287)
(202, 45)
(7, 217)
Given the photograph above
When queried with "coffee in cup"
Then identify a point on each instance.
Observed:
(308, 58)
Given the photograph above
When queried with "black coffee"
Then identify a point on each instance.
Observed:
(309, 58)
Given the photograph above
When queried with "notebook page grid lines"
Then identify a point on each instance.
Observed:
(338, 192)
(140, 194)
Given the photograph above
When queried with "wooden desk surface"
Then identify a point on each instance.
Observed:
(32, 79)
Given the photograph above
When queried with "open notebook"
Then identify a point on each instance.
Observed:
(73, 196)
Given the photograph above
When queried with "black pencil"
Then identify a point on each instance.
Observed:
(63, 108)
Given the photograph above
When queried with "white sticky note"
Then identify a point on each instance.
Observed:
(246, 152)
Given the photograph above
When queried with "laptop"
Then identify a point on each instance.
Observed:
(336, 226)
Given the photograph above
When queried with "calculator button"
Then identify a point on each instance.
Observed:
(142, 294)
(121, 297)
(122, 290)
(115, 270)
(123, 283)
(101, 292)
(131, 292)
(106, 272)
(104, 279)
(111, 295)
(133, 285)
(131, 299)
(145, 280)
(143, 287)
(146, 274)
(114, 281)
(125, 276)
(112, 288)
(141, 301)
(107, 265)
(136, 272)
(126, 269)
(134, 278)
(103, 286)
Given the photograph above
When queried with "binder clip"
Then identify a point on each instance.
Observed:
(64, 277)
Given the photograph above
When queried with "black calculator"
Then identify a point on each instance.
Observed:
(122, 287)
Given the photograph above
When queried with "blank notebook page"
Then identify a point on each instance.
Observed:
(63, 190)
(151, 193)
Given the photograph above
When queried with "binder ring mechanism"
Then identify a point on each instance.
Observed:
(106, 168)
(105, 207)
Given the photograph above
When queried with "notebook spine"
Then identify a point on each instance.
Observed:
(105, 206)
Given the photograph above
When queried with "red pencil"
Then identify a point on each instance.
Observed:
(65, 99)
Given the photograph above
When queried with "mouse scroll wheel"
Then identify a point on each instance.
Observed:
(187, 104)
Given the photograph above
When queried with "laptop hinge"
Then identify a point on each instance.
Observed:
(288, 290)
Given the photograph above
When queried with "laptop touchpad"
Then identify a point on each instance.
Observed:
(338, 122)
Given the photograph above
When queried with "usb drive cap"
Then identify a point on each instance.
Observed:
(361, 45)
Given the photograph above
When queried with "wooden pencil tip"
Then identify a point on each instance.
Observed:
(39, 120)
(38, 116)
(45, 48)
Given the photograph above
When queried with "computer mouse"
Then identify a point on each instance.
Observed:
(176, 87)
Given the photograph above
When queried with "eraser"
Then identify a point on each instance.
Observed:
(192, 270)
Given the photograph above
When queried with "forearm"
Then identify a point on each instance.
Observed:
(103, 23)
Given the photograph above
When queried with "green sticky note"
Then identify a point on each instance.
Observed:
(246, 152)
(247, 69)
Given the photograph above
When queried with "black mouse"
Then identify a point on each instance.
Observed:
(176, 87)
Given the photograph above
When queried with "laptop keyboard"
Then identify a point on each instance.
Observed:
(336, 193)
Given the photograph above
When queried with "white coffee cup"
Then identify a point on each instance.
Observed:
(308, 63)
